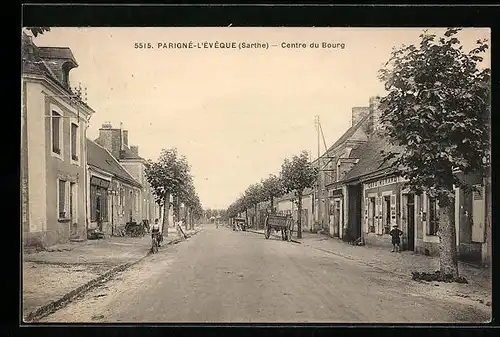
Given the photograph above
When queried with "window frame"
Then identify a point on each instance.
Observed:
(65, 199)
(54, 110)
(76, 161)
(432, 217)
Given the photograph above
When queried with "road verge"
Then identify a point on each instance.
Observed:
(59, 303)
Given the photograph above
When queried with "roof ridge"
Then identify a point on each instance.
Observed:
(116, 161)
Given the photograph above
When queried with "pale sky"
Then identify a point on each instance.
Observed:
(235, 114)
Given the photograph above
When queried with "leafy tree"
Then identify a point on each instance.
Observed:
(38, 30)
(272, 187)
(167, 176)
(438, 109)
(254, 195)
(298, 174)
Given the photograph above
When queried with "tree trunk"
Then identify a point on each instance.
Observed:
(272, 205)
(487, 200)
(246, 215)
(186, 217)
(448, 241)
(166, 208)
(256, 222)
(299, 216)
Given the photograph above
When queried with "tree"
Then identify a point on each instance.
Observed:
(272, 188)
(438, 109)
(254, 195)
(298, 174)
(38, 30)
(167, 176)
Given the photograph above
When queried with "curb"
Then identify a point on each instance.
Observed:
(53, 306)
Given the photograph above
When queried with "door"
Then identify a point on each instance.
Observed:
(410, 212)
(387, 211)
(371, 215)
(336, 227)
(98, 211)
(478, 214)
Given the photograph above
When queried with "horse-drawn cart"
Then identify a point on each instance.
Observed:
(282, 223)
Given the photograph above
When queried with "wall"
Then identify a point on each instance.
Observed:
(36, 174)
(67, 169)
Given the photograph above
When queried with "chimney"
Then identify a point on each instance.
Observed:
(375, 112)
(358, 113)
(108, 139)
(134, 149)
(125, 138)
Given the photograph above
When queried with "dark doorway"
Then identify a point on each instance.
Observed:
(354, 212)
(98, 212)
(387, 214)
(411, 221)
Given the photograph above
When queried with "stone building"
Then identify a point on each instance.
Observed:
(53, 148)
(116, 141)
(114, 195)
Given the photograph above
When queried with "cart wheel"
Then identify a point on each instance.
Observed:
(283, 234)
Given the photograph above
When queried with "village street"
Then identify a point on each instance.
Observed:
(228, 276)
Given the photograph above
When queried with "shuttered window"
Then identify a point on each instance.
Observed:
(433, 225)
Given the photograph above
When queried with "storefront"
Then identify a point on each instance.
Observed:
(335, 211)
(381, 207)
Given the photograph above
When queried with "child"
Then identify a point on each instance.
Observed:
(396, 233)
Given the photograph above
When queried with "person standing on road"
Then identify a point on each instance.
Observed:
(395, 233)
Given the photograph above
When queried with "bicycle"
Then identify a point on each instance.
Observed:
(154, 243)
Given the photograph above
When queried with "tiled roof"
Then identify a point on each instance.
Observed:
(57, 53)
(99, 157)
(128, 154)
(348, 134)
(372, 159)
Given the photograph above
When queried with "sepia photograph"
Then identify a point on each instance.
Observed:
(223, 175)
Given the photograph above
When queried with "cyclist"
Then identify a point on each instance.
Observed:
(155, 232)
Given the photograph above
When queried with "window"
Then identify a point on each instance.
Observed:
(56, 126)
(74, 141)
(72, 201)
(121, 196)
(61, 199)
(433, 225)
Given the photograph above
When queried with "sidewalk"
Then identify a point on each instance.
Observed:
(62, 271)
(479, 285)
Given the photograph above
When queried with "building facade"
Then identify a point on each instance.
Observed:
(53, 150)
(376, 199)
(114, 196)
(116, 141)
(287, 205)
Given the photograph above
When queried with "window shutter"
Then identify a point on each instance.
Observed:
(393, 208)
(378, 213)
(367, 229)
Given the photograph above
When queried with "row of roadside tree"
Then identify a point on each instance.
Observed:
(172, 182)
(438, 108)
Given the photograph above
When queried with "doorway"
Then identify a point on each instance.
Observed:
(371, 215)
(387, 214)
(336, 222)
(411, 221)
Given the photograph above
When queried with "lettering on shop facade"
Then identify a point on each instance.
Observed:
(382, 182)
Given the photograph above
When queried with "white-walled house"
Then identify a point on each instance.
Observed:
(53, 149)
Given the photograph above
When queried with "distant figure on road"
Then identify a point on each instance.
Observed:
(395, 233)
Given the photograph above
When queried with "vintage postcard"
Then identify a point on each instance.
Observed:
(256, 175)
